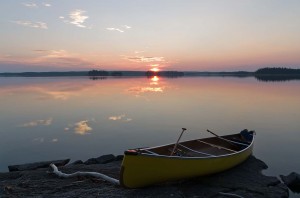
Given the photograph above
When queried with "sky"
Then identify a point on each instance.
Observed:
(183, 35)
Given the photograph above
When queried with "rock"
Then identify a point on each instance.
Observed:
(106, 159)
(119, 157)
(36, 165)
(77, 162)
(245, 180)
(91, 161)
(101, 160)
(292, 181)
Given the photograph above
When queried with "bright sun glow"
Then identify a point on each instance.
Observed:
(155, 69)
(154, 79)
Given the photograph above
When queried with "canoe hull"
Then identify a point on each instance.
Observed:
(144, 170)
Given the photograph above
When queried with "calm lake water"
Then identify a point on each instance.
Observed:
(80, 118)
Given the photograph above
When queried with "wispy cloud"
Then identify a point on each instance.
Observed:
(115, 29)
(40, 50)
(76, 18)
(119, 29)
(82, 127)
(38, 122)
(120, 117)
(145, 59)
(138, 52)
(40, 25)
(47, 4)
(60, 57)
(30, 5)
(126, 26)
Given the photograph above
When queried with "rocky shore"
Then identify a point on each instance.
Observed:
(245, 180)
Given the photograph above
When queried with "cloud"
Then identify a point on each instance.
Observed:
(58, 57)
(40, 50)
(126, 26)
(30, 5)
(76, 18)
(82, 127)
(47, 4)
(143, 59)
(54, 140)
(115, 29)
(38, 122)
(119, 29)
(40, 25)
(138, 52)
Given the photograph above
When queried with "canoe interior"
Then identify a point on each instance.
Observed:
(206, 147)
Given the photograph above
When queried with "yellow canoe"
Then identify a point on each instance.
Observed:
(148, 166)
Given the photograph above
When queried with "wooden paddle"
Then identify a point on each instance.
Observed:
(175, 146)
(229, 141)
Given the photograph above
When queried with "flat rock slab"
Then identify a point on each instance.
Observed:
(36, 165)
(245, 180)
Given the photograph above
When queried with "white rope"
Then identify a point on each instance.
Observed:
(78, 173)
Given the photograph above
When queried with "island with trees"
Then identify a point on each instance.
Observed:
(277, 74)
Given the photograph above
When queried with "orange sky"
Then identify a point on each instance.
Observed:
(167, 35)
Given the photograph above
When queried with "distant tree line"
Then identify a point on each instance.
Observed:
(104, 73)
(148, 73)
(165, 73)
(277, 74)
(277, 71)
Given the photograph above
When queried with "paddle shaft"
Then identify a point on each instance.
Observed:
(175, 146)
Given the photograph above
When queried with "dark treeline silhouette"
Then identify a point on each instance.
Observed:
(98, 73)
(134, 73)
(277, 74)
(277, 71)
(165, 74)
(45, 74)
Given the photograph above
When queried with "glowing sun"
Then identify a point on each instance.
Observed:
(155, 69)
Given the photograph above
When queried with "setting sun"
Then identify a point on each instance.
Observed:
(154, 69)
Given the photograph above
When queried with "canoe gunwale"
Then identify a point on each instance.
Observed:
(191, 157)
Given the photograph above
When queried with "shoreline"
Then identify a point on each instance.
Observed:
(245, 180)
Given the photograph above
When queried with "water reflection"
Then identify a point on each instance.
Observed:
(115, 120)
(120, 117)
(34, 123)
(57, 91)
(274, 78)
(154, 80)
(82, 127)
(154, 86)
(39, 140)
